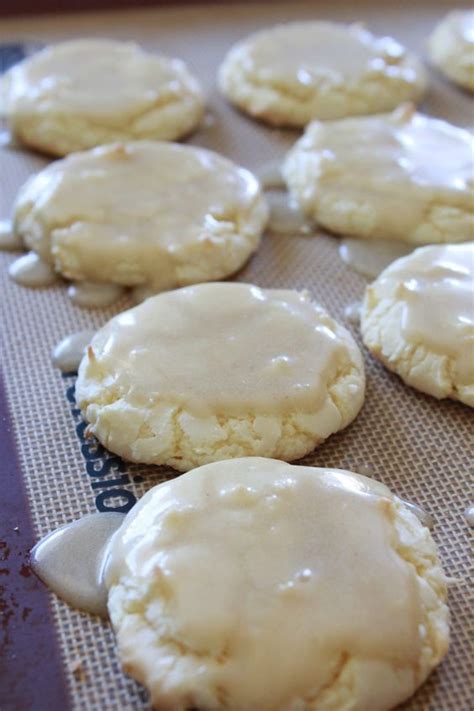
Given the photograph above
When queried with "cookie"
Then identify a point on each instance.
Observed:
(254, 584)
(400, 176)
(451, 47)
(418, 319)
(291, 74)
(143, 213)
(217, 371)
(87, 92)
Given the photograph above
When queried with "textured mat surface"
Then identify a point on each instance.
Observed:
(416, 445)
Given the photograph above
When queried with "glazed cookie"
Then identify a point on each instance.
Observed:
(451, 47)
(254, 584)
(400, 176)
(143, 213)
(418, 319)
(291, 74)
(217, 371)
(87, 92)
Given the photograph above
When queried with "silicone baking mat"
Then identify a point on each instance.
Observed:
(55, 658)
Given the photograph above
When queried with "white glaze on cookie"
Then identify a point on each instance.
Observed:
(418, 317)
(269, 175)
(321, 563)
(424, 517)
(9, 240)
(279, 346)
(65, 98)
(451, 47)
(469, 515)
(310, 52)
(401, 176)
(293, 73)
(370, 258)
(352, 314)
(285, 215)
(94, 295)
(69, 352)
(30, 270)
(70, 560)
(436, 287)
(218, 370)
(142, 214)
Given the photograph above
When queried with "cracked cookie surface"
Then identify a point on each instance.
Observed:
(294, 73)
(400, 176)
(143, 213)
(217, 371)
(255, 585)
(418, 319)
(87, 92)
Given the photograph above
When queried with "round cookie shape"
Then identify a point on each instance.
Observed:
(217, 371)
(400, 176)
(451, 47)
(254, 584)
(418, 319)
(87, 92)
(143, 213)
(294, 73)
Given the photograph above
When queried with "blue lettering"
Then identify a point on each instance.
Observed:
(71, 394)
(99, 465)
(104, 496)
(102, 467)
